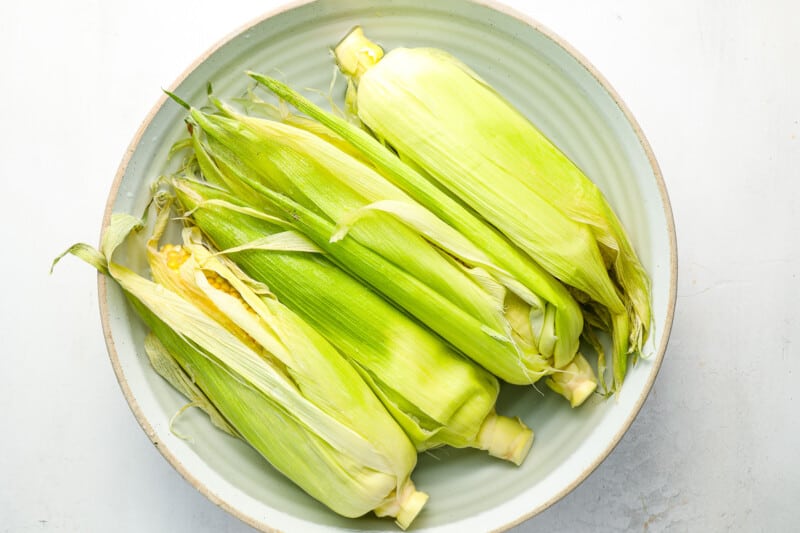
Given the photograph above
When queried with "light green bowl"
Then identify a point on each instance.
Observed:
(560, 92)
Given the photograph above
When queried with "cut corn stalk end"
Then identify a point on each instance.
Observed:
(404, 505)
(355, 54)
(576, 382)
(505, 438)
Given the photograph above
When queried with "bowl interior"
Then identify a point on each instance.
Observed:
(568, 101)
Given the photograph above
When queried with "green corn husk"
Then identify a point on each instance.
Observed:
(568, 320)
(277, 383)
(166, 366)
(479, 148)
(378, 233)
(437, 396)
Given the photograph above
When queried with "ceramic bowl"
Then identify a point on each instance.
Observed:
(556, 88)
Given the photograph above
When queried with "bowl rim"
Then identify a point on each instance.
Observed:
(656, 360)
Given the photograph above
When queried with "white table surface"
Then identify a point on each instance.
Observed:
(716, 88)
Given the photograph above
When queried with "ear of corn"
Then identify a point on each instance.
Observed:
(568, 321)
(475, 145)
(436, 395)
(279, 384)
(332, 197)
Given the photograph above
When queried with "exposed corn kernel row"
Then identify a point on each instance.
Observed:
(221, 284)
(176, 255)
